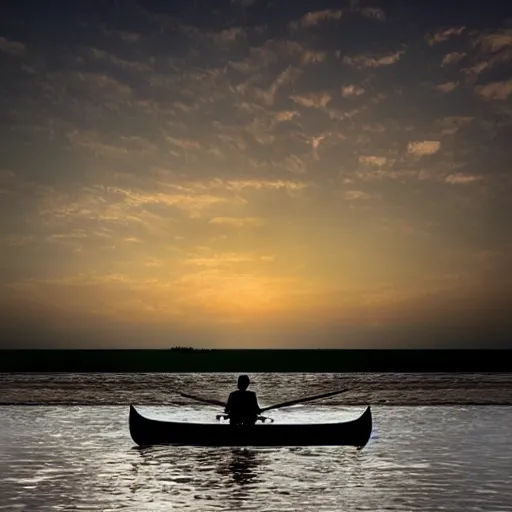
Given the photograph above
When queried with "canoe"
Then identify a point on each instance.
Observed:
(146, 431)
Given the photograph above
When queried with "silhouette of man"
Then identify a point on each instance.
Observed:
(242, 406)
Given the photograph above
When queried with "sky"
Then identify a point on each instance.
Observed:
(255, 173)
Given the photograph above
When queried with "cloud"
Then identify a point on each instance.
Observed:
(312, 19)
(343, 114)
(495, 42)
(236, 186)
(444, 35)
(154, 262)
(311, 57)
(243, 139)
(183, 143)
(220, 260)
(351, 90)
(462, 179)
(453, 58)
(124, 35)
(73, 234)
(387, 174)
(122, 207)
(425, 147)
(11, 47)
(132, 239)
(377, 161)
(153, 210)
(293, 164)
(495, 50)
(239, 222)
(259, 59)
(315, 141)
(261, 131)
(476, 69)
(194, 205)
(141, 67)
(452, 124)
(83, 86)
(108, 87)
(240, 185)
(313, 100)
(446, 87)
(368, 61)
(375, 13)
(223, 39)
(356, 195)
(230, 35)
(126, 147)
(268, 96)
(286, 115)
(81, 278)
(19, 240)
(495, 90)
(494, 61)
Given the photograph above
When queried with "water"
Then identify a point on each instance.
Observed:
(420, 458)
(161, 388)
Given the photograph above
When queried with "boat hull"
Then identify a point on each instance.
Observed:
(145, 431)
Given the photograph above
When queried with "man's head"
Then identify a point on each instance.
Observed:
(243, 382)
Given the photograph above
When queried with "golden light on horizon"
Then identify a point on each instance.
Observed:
(279, 183)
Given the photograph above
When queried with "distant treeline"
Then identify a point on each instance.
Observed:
(188, 359)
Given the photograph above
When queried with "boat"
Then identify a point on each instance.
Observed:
(145, 431)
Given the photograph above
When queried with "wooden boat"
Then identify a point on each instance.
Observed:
(145, 431)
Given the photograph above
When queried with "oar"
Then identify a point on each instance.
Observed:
(210, 401)
(300, 400)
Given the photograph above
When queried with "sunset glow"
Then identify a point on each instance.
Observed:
(255, 174)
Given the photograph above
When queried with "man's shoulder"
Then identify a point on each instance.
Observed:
(239, 392)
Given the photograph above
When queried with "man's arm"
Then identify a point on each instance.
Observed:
(228, 405)
(256, 405)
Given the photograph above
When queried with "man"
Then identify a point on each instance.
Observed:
(242, 407)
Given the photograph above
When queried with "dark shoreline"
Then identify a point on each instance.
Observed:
(255, 361)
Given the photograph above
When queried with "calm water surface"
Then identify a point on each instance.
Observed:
(420, 458)
(162, 388)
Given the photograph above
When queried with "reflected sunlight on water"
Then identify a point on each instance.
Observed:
(418, 459)
(161, 388)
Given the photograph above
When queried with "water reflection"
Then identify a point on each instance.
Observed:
(241, 466)
(232, 475)
(424, 459)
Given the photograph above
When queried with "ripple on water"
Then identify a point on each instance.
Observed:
(428, 458)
